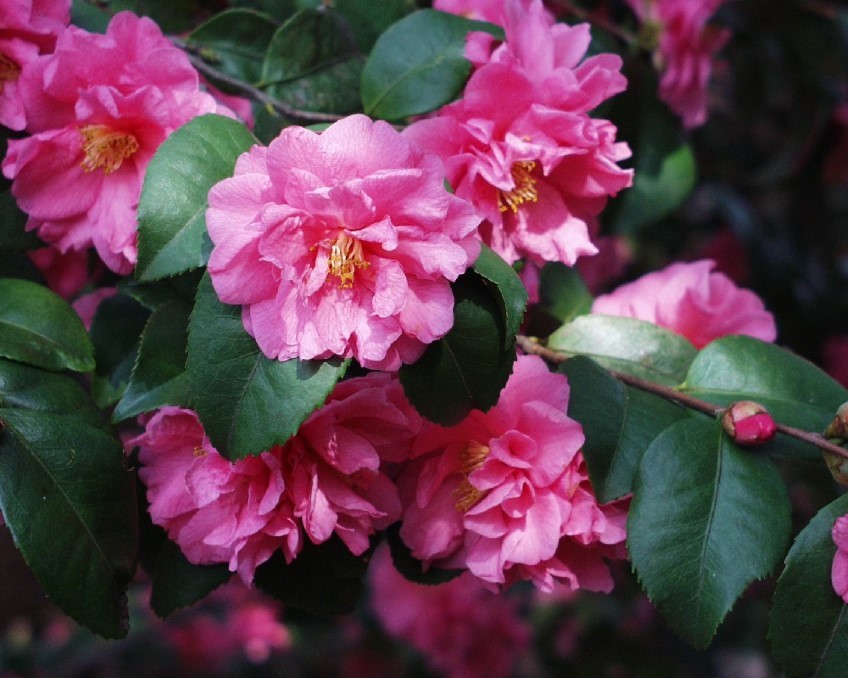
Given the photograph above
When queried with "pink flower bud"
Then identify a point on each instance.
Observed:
(748, 423)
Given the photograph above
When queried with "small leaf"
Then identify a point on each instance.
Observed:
(172, 234)
(562, 292)
(248, 403)
(410, 567)
(627, 345)
(418, 65)
(40, 328)
(808, 624)
(159, 375)
(324, 579)
(707, 519)
(619, 422)
(468, 367)
(71, 507)
(510, 292)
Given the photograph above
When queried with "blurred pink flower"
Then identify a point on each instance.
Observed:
(520, 144)
(28, 28)
(839, 570)
(463, 630)
(326, 479)
(693, 301)
(835, 357)
(66, 273)
(684, 54)
(97, 109)
(340, 243)
(479, 10)
(506, 493)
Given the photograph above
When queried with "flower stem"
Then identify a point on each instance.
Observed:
(531, 345)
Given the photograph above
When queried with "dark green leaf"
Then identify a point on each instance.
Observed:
(40, 328)
(325, 579)
(368, 19)
(115, 333)
(172, 234)
(410, 567)
(418, 65)
(248, 403)
(467, 368)
(234, 42)
(562, 292)
(71, 507)
(808, 625)
(151, 295)
(278, 9)
(159, 377)
(88, 16)
(171, 16)
(12, 222)
(508, 289)
(619, 422)
(707, 519)
(628, 345)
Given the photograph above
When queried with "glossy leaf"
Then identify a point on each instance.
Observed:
(70, 505)
(40, 328)
(619, 422)
(467, 368)
(808, 625)
(278, 9)
(417, 64)
(562, 292)
(159, 375)
(87, 16)
(707, 519)
(508, 289)
(172, 234)
(368, 19)
(171, 16)
(628, 345)
(248, 403)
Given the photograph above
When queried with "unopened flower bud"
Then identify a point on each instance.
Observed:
(748, 423)
(838, 467)
(837, 430)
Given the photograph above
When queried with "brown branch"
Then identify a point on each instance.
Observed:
(532, 346)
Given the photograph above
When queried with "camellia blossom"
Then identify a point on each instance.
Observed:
(520, 144)
(479, 10)
(97, 110)
(506, 493)
(325, 480)
(342, 243)
(28, 28)
(692, 300)
(686, 47)
(839, 570)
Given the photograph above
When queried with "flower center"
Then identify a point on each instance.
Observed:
(346, 256)
(472, 458)
(9, 70)
(198, 451)
(524, 189)
(106, 148)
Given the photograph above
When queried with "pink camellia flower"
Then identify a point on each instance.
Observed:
(66, 273)
(520, 144)
(97, 109)
(479, 10)
(463, 629)
(28, 28)
(326, 479)
(839, 570)
(340, 243)
(506, 493)
(687, 45)
(692, 300)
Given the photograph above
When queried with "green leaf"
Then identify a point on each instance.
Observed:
(627, 345)
(792, 389)
(808, 624)
(312, 63)
(171, 16)
(707, 519)
(278, 9)
(88, 16)
(562, 292)
(508, 289)
(234, 42)
(410, 567)
(40, 328)
(325, 579)
(418, 65)
(115, 333)
(248, 403)
(368, 19)
(619, 422)
(159, 375)
(12, 223)
(172, 234)
(71, 507)
(467, 368)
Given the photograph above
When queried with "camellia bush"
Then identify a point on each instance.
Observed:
(528, 295)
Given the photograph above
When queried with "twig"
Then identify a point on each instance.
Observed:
(532, 345)
(243, 88)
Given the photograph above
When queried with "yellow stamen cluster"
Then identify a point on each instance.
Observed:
(346, 256)
(524, 190)
(472, 458)
(9, 70)
(106, 148)
(198, 451)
